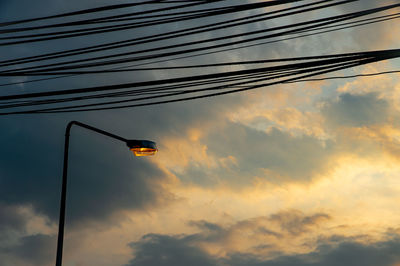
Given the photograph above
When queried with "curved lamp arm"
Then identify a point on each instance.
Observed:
(105, 133)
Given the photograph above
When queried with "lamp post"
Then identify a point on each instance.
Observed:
(138, 147)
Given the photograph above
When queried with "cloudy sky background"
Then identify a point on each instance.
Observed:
(301, 174)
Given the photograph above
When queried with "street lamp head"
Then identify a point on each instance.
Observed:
(142, 147)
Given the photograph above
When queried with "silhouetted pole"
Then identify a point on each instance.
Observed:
(61, 221)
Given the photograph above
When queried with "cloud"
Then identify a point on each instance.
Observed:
(295, 222)
(161, 250)
(18, 245)
(263, 235)
(179, 250)
(384, 253)
(35, 250)
(351, 110)
(364, 124)
(104, 177)
(291, 223)
(233, 154)
(11, 219)
(382, 33)
(273, 155)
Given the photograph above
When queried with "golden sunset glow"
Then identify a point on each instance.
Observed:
(298, 173)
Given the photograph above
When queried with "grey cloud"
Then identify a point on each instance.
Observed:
(206, 225)
(210, 232)
(356, 110)
(287, 157)
(384, 253)
(162, 250)
(295, 222)
(104, 177)
(365, 4)
(33, 250)
(367, 37)
(18, 248)
(285, 224)
(11, 219)
(156, 249)
(178, 250)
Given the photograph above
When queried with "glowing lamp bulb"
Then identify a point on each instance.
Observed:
(142, 147)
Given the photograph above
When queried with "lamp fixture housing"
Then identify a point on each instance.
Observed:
(142, 147)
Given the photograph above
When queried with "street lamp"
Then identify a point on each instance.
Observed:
(138, 147)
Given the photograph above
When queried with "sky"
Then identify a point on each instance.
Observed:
(294, 174)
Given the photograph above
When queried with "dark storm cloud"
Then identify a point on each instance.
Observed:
(356, 110)
(178, 250)
(104, 177)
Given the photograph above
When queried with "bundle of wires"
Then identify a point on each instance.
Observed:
(191, 87)
(166, 46)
